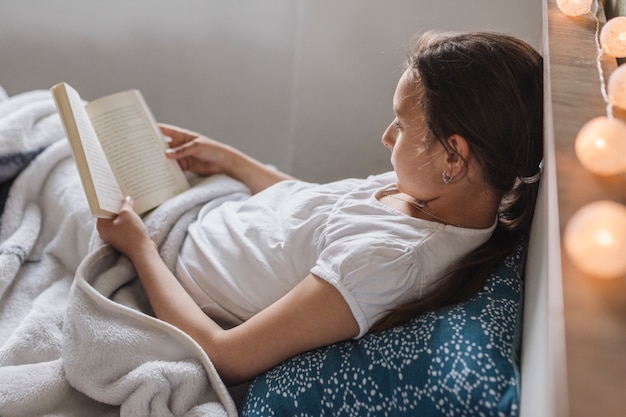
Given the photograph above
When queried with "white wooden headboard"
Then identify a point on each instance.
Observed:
(543, 365)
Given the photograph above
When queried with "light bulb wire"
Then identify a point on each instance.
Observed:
(603, 90)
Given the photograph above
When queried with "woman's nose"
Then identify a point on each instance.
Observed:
(389, 138)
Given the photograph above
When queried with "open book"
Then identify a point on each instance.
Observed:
(119, 151)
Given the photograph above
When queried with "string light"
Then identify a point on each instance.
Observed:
(574, 7)
(595, 236)
(617, 87)
(595, 239)
(601, 146)
(613, 37)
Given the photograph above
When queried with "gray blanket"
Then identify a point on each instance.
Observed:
(77, 336)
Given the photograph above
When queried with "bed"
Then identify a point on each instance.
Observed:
(77, 336)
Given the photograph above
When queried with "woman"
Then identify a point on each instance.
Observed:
(297, 265)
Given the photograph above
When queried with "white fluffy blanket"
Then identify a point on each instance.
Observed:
(77, 336)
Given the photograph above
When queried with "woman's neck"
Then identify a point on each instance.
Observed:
(459, 206)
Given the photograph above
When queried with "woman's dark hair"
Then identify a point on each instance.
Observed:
(488, 88)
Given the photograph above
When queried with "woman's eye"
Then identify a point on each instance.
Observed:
(397, 124)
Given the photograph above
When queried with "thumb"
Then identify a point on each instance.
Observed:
(183, 150)
(179, 154)
(127, 203)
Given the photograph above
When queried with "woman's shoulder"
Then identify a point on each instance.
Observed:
(381, 180)
(386, 177)
(371, 182)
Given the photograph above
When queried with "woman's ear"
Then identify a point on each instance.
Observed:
(458, 155)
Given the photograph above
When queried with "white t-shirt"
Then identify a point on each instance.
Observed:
(242, 256)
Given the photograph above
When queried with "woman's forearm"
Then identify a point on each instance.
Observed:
(254, 174)
(169, 300)
(171, 303)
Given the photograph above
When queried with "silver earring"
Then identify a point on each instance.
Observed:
(446, 180)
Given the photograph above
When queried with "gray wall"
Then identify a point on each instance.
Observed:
(303, 84)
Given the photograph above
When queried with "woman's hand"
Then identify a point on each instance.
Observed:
(204, 156)
(194, 152)
(126, 232)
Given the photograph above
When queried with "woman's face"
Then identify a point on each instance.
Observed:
(416, 158)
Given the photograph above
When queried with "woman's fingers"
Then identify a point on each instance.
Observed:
(194, 152)
(177, 135)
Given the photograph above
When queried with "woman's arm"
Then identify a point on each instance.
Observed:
(205, 156)
(313, 314)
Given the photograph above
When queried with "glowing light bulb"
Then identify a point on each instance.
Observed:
(613, 37)
(595, 239)
(616, 87)
(601, 146)
(574, 7)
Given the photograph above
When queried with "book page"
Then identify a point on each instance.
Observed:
(135, 149)
(96, 175)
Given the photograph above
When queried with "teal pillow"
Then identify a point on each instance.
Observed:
(462, 360)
